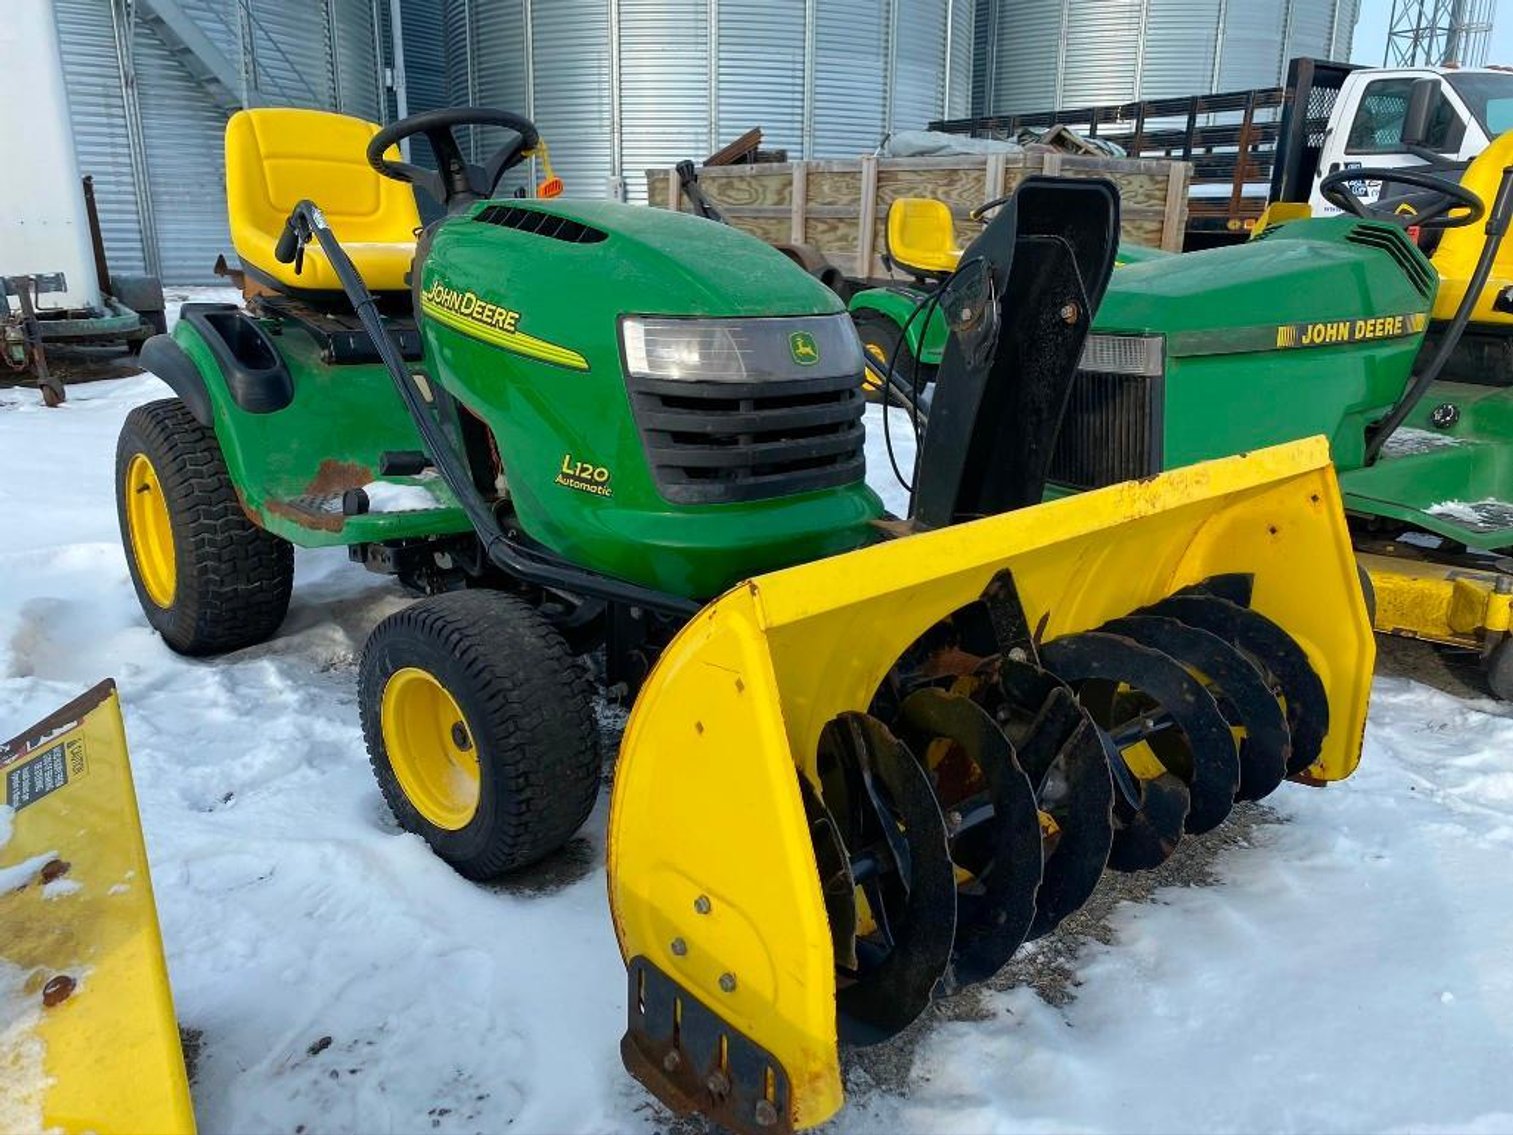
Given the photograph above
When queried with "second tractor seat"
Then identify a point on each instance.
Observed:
(278, 156)
(922, 237)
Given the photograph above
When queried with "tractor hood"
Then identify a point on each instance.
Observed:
(671, 401)
(1311, 278)
(603, 256)
(1311, 328)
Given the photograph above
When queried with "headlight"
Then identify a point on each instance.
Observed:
(741, 350)
(1124, 354)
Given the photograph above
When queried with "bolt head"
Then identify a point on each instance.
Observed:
(766, 1114)
(718, 1084)
(1070, 312)
(58, 989)
(672, 1061)
(702, 904)
(1017, 654)
(727, 982)
(679, 947)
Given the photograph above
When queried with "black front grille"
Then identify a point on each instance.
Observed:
(722, 442)
(1111, 432)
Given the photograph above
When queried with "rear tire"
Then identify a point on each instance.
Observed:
(480, 728)
(208, 579)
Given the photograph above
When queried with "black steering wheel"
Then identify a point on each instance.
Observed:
(456, 182)
(1443, 195)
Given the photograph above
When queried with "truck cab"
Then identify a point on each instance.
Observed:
(1441, 117)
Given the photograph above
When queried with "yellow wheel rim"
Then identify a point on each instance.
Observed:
(430, 748)
(151, 532)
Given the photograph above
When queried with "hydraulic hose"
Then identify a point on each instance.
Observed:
(307, 221)
(1497, 227)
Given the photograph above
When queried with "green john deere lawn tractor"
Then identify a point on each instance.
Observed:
(1388, 330)
(868, 756)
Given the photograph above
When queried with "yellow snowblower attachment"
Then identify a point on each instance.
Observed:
(79, 933)
(852, 785)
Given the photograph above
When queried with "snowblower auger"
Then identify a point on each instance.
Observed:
(79, 930)
(852, 785)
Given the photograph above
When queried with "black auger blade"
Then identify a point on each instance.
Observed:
(992, 822)
(1239, 687)
(895, 838)
(1149, 815)
(1060, 752)
(837, 884)
(1275, 652)
(1169, 710)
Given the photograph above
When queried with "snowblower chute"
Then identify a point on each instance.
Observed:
(851, 784)
(79, 931)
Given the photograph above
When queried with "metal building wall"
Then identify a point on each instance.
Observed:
(1035, 55)
(291, 52)
(185, 163)
(848, 107)
(619, 86)
(151, 134)
(961, 24)
(920, 65)
(759, 41)
(664, 84)
(96, 104)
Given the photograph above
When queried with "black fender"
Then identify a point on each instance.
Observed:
(167, 360)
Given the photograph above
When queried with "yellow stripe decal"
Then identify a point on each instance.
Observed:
(517, 342)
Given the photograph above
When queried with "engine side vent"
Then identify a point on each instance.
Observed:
(541, 224)
(722, 442)
(1111, 431)
(1395, 244)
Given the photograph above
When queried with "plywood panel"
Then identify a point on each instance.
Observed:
(759, 198)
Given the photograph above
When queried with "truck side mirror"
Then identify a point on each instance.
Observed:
(1418, 121)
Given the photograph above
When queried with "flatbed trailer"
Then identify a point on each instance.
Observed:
(1245, 147)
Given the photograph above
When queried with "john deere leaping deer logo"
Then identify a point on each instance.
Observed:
(803, 348)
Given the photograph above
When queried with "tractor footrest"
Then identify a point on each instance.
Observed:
(693, 1061)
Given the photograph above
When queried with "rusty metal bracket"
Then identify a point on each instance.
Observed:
(24, 288)
(694, 1062)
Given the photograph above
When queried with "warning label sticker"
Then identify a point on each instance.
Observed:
(47, 772)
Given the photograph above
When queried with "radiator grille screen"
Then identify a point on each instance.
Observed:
(1111, 432)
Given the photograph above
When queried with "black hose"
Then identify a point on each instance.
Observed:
(1497, 227)
(306, 220)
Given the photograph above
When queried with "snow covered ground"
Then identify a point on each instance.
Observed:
(1352, 969)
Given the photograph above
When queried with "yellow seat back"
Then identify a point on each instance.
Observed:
(1279, 213)
(278, 156)
(922, 236)
(1459, 249)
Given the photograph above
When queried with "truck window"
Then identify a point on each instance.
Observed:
(1378, 124)
(1489, 94)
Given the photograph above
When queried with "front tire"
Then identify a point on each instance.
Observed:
(480, 728)
(882, 341)
(208, 579)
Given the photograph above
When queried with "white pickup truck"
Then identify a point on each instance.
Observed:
(1406, 117)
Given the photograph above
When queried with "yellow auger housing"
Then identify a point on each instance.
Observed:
(788, 861)
(79, 930)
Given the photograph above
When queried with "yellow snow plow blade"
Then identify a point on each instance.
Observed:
(789, 859)
(80, 933)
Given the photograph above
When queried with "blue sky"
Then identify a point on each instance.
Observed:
(1371, 33)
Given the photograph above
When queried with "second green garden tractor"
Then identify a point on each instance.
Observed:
(620, 452)
(1388, 330)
